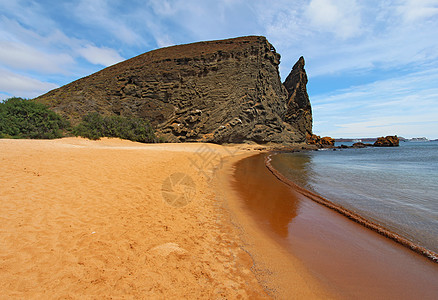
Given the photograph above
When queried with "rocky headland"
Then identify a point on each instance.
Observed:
(226, 91)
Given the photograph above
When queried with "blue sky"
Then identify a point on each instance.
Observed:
(372, 65)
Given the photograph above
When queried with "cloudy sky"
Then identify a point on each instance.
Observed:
(372, 65)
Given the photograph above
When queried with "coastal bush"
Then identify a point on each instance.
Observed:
(94, 126)
(22, 118)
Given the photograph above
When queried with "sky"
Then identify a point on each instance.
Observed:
(372, 65)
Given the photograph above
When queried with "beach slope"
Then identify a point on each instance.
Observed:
(114, 218)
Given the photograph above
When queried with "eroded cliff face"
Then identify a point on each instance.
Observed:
(218, 91)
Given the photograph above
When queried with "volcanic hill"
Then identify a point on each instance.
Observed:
(226, 91)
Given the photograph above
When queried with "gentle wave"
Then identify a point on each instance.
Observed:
(375, 184)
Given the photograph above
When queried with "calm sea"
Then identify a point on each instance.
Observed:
(394, 187)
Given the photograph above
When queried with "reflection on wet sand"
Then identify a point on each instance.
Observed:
(297, 166)
(273, 203)
(349, 259)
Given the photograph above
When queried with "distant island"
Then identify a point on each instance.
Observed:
(372, 140)
(356, 140)
(419, 139)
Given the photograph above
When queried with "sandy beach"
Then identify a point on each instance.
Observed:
(118, 219)
(99, 219)
(114, 219)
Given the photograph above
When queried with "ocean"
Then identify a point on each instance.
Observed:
(396, 188)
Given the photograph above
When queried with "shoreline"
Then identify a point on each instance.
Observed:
(281, 274)
(352, 215)
(346, 259)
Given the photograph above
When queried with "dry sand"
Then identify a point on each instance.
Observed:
(118, 219)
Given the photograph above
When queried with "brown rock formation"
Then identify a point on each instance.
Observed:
(361, 145)
(218, 91)
(299, 111)
(389, 141)
(313, 139)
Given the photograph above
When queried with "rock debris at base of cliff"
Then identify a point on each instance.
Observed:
(226, 91)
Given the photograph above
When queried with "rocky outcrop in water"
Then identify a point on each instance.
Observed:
(361, 145)
(313, 139)
(218, 91)
(388, 141)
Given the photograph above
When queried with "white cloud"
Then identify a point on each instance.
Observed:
(408, 127)
(24, 57)
(164, 7)
(185, 21)
(164, 41)
(98, 14)
(100, 56)
(340, 17)
(415, 10)
(23, 86)
(406, 105)
(24, 50)
(29, 13)
(158, 32)
(350, 36)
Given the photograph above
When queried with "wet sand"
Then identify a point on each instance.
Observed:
(347, 259)
(282, 274)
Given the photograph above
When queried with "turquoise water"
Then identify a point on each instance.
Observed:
(394, 187)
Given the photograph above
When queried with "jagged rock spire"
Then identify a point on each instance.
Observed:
(299, 111)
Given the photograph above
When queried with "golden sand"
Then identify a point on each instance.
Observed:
(118, 219)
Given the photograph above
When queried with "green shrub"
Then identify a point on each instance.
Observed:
(94, 126)
(21, 118)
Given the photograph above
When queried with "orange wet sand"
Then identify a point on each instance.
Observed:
(281, 273)
(351, 261)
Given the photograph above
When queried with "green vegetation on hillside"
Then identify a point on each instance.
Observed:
(95, 126)
(21, 118)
